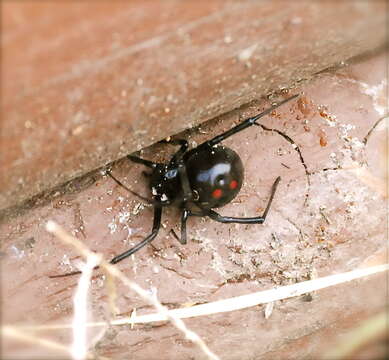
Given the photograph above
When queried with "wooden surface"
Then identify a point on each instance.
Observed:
(84, 83)
(328, 220)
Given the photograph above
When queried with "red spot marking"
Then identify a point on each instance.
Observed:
(217, 193)
(233, 184)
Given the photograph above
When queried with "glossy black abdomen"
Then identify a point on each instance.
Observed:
(215, 175)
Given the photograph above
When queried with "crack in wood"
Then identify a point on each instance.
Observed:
(366, 138)
(297, 149)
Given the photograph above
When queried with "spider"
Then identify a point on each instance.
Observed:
(199, 180)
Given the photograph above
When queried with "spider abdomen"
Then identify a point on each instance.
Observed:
(215, 175)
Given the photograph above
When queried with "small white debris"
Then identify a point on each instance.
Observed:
(123, 217)
(153, 291)
(132, 317)
(129, 230)
(246, 54)
(28, 124)
(269, 309)
(154, 191)
(137, 208)
(112, 227)
(164, 197)
(17, 252)
(276, 242)
(296, 20)
(377, 93)
(228, 39)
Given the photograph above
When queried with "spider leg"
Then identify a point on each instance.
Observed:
(181, 151)
(251, 220)
(144, 162)
(187, 191)
(68, 274)
(128, 189)
(146, 174)
(184, 217)
(248, 122)
(229, 219)
(147, 240)
(116, 259)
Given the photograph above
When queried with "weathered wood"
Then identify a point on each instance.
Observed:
(85, 84)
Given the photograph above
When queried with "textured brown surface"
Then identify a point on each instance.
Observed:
(341, 226)
(84, 83)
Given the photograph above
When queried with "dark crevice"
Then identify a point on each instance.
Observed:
(357, 59)
(73, 186)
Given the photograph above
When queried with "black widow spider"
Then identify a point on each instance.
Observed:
(206, 177)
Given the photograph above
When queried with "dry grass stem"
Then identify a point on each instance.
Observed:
(163, 311)
(239, 302)
(15, 333)
(112, 294)
(261, 297)
(79, 348)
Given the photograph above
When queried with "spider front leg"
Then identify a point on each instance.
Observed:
(116, 259)
(180, 152)
(245, 124)
(144, 162)
(108, 172)
(251, 220)
(184, 217)
(147, 240)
